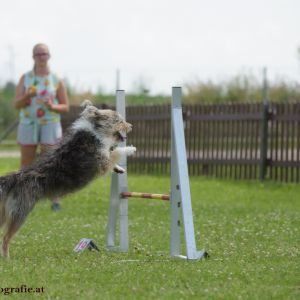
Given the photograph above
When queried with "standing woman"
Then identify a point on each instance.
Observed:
(41, 97)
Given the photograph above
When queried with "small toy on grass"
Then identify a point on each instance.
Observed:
(85, 243)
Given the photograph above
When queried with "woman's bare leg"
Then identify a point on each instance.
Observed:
(28, 155)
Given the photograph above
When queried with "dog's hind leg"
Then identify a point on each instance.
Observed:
(12, 226)
(2, 215)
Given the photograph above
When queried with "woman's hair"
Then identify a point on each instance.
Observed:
(39, 45)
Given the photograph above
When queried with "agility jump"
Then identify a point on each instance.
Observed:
(180, 197)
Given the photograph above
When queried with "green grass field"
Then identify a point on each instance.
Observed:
(251, 231)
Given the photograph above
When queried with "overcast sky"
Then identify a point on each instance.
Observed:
(162, 42)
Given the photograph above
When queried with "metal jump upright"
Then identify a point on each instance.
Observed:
(180, 196)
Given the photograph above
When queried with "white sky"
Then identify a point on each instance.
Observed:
(164, 42)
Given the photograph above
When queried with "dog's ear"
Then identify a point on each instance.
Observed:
(92, 113)
(86, 103)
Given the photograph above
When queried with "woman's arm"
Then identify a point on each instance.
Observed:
(23, 96)
(63, 101)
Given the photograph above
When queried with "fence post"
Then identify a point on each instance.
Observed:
(264, 128)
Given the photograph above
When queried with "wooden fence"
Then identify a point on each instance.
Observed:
(241, 141)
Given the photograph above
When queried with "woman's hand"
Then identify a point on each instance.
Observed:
(23, 97)
(63, 102)
(49, 103)
(31, 92)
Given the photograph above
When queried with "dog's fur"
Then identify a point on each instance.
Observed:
(88, 149)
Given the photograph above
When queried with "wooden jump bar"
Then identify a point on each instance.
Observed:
(145, 195)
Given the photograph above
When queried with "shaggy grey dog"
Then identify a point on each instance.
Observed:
(89, 149)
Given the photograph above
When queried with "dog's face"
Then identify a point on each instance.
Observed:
(107, 122)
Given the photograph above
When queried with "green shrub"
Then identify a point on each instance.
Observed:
(241, 88)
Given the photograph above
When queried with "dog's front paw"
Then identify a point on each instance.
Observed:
(86, 103)
(119, 170)
(130, 150)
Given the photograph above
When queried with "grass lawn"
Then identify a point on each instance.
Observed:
(251, 231)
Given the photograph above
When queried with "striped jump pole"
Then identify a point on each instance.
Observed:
(145, 195)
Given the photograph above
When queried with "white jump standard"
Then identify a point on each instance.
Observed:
(180, 197)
